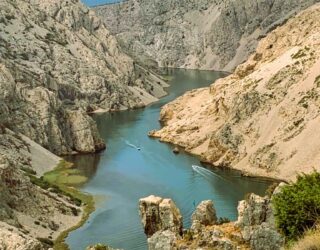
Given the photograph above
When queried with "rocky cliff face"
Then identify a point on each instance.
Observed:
(255, 228)
(30, 217)
(263, 119)
(201, 34)
(58, 62)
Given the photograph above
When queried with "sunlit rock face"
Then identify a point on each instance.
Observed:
(255, 228)
(58, 63)
(259, 118)
(159, 214)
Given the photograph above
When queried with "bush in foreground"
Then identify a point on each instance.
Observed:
(297, 206)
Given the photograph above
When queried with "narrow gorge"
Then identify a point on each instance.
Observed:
(208, 103)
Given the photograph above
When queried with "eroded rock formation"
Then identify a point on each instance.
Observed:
(202, 34)
(263, 119)
(27, 211)
(159, 215)
(254, 229)
(58, 62)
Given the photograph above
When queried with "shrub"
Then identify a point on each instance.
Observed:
(223, 220)
(188, 235)
(297, 207)
(46, 241)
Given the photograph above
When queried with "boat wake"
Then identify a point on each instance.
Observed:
(132, 145)
(205, 172)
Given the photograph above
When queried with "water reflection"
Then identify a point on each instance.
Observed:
(87, 164)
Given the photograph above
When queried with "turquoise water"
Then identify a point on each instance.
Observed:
(122, 174)
(99, 2)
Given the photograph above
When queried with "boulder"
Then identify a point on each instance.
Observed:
(256, 221)
(265, 237)
(176, 150)
(163, 240)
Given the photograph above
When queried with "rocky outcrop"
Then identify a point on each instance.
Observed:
(205, 214)
(58, 63)
(159, 215)
(100, 247)
(257, 223)
(254, 229)
(200, 34)
(258, 119)
(12, 239)
(164, 240)
(31, 216)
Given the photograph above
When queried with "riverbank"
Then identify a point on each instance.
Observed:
(64, 180)
(258, 119)
(123, 174)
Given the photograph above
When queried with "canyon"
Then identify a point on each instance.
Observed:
(259, 118)
(195, 34)
(60, 62)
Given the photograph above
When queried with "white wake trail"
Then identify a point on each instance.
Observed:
(205, 172)
(132, 145)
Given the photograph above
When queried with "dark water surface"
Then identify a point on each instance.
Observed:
(123, 174)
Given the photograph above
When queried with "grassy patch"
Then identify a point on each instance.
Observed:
(310, 241)
(64, 174)
(64, 179)
(88, 202)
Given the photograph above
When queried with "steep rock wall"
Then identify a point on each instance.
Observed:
(202, 34)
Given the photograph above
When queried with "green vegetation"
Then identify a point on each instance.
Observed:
(46, 241)
(188, 235)
(301, 53)
(297, 207)
(317, 81)
(64, 174)
(223, 220)
(62, 180)
(65, 178)
(28, 170)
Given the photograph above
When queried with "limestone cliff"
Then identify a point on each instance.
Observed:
(31, 217)
(58, 62)
(201, 34)
(255, 228)
(264, 118)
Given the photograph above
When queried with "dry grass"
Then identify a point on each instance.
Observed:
(311, 241)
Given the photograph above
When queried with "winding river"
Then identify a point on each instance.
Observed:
(122, 174)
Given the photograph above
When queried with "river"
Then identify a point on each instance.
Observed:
(122, 174)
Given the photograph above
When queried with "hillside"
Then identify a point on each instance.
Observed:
(264, 118)
(201, 34)
(58, 62)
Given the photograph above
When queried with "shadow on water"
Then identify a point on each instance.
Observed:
(123, 173)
